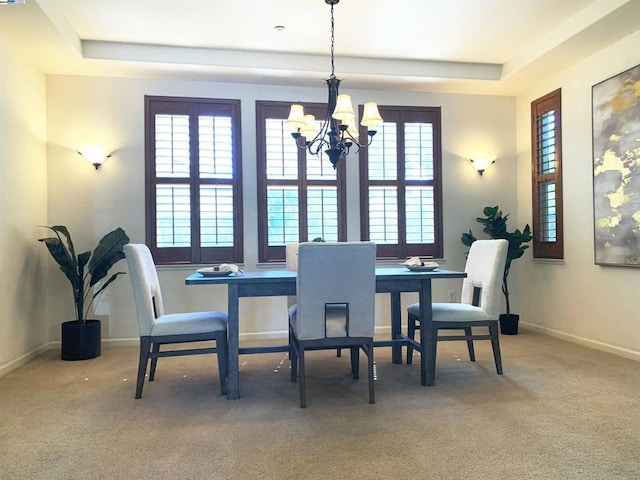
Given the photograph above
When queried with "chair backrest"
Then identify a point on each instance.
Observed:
(146, 287)
(292, 264)
(336, 274)
(485, 270)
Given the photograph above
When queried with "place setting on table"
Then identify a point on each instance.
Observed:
(222, 270)
(416, 264)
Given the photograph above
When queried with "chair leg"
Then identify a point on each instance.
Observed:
(293, 357)
(411, 333)
(154, 361)
(355, 362)
(369, 352)
(472, 352)
(339, 352)
(302, 378)
(145, 345)
(222, 351)
(495, 345)
(428, 356)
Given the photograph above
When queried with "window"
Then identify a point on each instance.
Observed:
(193, 180)
(546, 157)
(300, 196)
(401, 184)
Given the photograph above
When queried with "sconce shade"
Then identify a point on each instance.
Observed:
(482, 162)
(94, 156)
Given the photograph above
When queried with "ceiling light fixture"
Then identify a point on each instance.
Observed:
(339, 132)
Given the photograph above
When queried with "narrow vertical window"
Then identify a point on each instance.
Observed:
(193, 180)
(546, 157)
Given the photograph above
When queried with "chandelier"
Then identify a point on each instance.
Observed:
(339, 132)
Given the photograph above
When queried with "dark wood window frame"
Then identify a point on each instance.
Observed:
(195, 254)
(545, 248)
(402, 250)
(273, 109)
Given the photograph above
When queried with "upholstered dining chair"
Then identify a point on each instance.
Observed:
(335, 305)
(292, 264)
(479, 304)
(291, 251)
(157, 328)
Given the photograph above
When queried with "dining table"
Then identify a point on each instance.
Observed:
(282, 282)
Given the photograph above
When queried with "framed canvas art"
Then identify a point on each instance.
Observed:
(616, 169)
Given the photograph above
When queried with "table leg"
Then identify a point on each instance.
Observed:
(427, 336)
(396, 327)
(234, 341)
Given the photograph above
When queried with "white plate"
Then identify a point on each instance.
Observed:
(426, 267)
(212, 272)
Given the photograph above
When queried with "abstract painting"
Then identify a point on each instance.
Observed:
(616, 169)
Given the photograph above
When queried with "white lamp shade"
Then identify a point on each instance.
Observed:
(296, 117)
(310, 128)
(353, 129)
(95, 156)
(371, 117)
(482, 162)
(344, 110)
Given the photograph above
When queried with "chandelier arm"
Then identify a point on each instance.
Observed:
(355, 141)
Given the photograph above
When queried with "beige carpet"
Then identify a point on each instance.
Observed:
(560, 411)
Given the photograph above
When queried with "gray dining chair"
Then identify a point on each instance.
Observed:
(291, 251)
(335, 305)
(156, 328)
(479, 306)
(291, 258)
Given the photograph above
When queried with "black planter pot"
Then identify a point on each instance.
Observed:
(81, 341)
(509, 324)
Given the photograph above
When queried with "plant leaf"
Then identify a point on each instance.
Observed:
(106, 284)
(61, 255)
(108, 252)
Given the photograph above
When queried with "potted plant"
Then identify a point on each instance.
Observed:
(495, 225)
(81, 337)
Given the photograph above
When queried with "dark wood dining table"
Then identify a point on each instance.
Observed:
(265, 283)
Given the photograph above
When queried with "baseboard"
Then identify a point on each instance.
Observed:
(605, 347)
(22, 360)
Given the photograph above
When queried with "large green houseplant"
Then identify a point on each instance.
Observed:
(495, 226)
(81, 337)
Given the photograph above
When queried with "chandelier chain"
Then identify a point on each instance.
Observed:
(332, 47)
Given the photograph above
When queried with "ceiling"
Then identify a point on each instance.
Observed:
(470, 46)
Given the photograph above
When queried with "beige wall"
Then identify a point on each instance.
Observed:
(24, 322)
(577, 299)
(109, 110)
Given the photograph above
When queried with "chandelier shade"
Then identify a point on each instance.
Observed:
(339, 131)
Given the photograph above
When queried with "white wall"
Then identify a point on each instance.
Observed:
(82, 110)
(577, 299)
(24, 321)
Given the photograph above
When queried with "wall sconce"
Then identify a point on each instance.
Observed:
(482, 162)
(94, 156)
